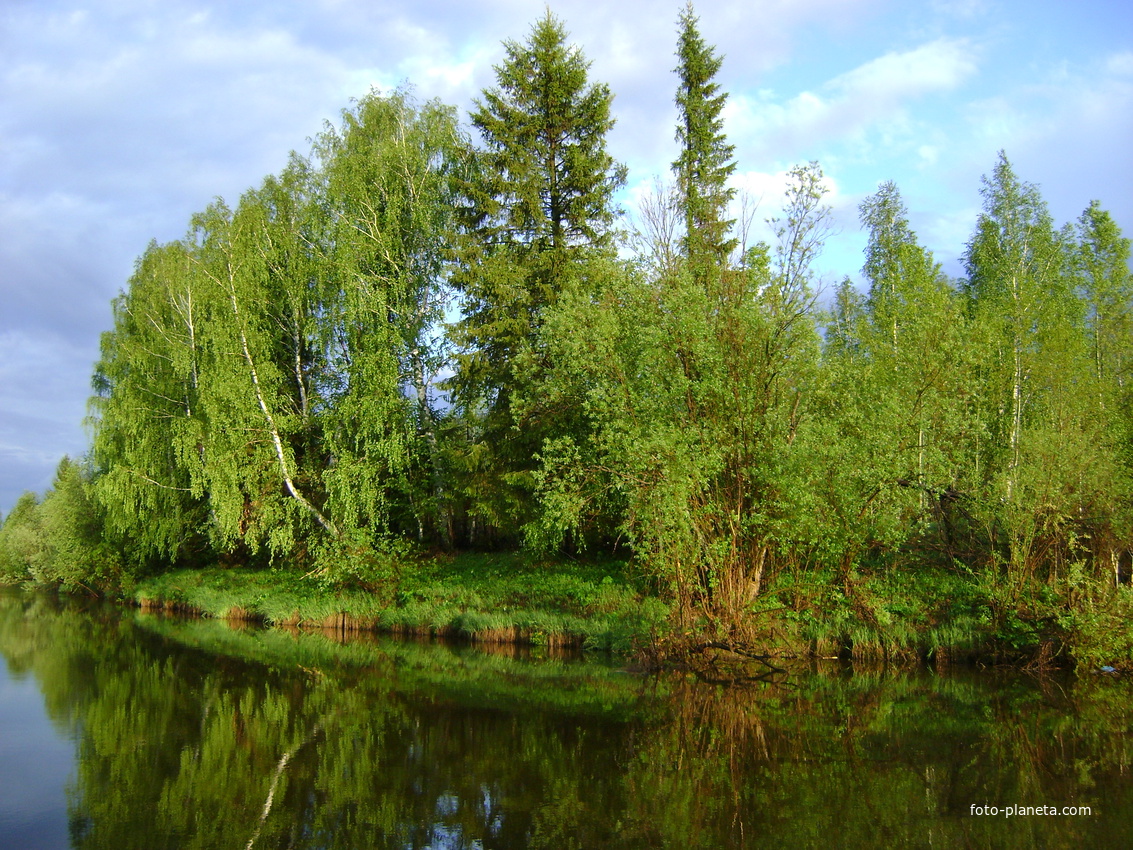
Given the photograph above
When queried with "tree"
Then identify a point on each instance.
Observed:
(58, 541)
(264, 488)
(77, 555)
(1102, 260)
(23, 547)
(706, 159)
(696, 402)
(914, 328)
(148, 428)
(267, 381)
(1014, 263)
(203, 417)
(897, 269)
(892, 365)
(546, 181)
(539, 203)
(800, 233)
(390, 174)
(1037, 461)
(655, 238)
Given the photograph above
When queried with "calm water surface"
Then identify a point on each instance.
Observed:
(120, 730)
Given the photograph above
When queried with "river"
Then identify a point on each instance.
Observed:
(120, 729)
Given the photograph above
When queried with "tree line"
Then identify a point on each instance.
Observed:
(422, 333)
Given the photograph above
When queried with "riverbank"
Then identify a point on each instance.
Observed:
(492, 598)
(891, 616)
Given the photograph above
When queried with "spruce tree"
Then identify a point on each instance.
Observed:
(538, 202)
(539, 190)
(546, 180)
(706, 159)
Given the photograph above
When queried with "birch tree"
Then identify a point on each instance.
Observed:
(1101, 261)
(263, 487)
(148, 426)
(390, 175)
(1030, 327)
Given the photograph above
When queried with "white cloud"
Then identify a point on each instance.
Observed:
(771, 187)
(873, 95)
(947, 234)
(998, 121)
(940, 65)
(1067, 131)
(1120, 64)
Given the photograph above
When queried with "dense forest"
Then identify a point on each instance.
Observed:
(426, 335)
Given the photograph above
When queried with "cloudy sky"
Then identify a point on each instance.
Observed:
(121, 118)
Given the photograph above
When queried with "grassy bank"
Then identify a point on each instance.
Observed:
(888, 614)
(951, 615)
(491, 598)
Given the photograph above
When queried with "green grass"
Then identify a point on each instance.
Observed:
(505, 598)
(892, 615)
(895, 615)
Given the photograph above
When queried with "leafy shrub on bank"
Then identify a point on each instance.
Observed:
(59, 541)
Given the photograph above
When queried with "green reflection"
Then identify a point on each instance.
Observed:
(193, 734)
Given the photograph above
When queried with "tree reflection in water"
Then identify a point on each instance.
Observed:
(192, 734)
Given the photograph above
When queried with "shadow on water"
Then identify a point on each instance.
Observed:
(193, 734)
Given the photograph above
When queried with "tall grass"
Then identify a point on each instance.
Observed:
(488, 598)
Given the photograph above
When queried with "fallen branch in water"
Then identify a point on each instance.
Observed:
(762, 658)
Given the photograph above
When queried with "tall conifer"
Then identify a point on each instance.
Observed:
(547, 181)
(706, 159)
(541, 190)
(539, 199)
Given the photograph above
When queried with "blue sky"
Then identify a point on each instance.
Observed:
(121, 118)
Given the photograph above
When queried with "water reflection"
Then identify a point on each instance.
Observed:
(191, 734)
(35, 761)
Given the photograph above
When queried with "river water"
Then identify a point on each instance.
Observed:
(125, 730)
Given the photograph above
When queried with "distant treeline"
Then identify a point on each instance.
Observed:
(422, 333)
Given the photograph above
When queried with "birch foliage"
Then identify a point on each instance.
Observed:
(148, 426)
(390, 172)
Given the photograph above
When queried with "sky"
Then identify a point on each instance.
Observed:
(119, 119)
